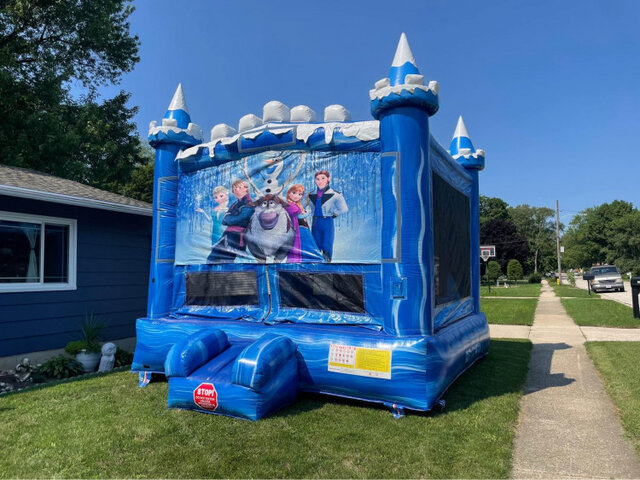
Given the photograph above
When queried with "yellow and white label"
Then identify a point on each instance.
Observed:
(366, 362)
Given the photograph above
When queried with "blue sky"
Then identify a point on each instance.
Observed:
(550, 89)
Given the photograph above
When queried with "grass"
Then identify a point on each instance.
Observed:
(600, 313)
(107, 427)
(509, 311)
(523, 290)
(617, 363)
(567, 291)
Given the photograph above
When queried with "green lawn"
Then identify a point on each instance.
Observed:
(522, 290)
(509, 311)
(617, 363)
(105, 426)
(572, 292)
(600, 313)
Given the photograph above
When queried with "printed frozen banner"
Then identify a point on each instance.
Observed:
(282, 207)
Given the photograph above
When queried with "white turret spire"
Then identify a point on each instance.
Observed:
(461, 129)
(178, 102)
(403, 53)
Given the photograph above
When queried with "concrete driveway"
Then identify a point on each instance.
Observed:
(622, 297)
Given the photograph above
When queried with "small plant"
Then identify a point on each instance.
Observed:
(60, 367)
(91, 341)
(572, 278)
(123, 358)
(535, 278)
(77, 346)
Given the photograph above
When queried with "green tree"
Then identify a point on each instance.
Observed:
(140, 185)
(514, 270)
(509, 243)
(602, 234)
(47, 46)
(538, 226)
(493, 208)
(625, 242)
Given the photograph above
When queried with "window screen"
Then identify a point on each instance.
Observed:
(340, 292)
(222, 288)
(451, 242)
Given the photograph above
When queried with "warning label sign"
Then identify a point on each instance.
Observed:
(205, 396)
(366, 362)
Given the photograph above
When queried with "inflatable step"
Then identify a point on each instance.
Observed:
(209, 373)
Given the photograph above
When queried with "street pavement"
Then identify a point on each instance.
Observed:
(622, 297)
(568, 426)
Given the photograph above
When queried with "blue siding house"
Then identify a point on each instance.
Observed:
(67, 251)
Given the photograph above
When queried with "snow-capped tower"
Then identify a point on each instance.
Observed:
(176, 133)
(472, 160)
(403, 104)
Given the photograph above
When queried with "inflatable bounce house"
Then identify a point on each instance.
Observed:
(335, 256)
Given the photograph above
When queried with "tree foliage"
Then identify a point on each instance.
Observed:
(538, 226)
(494, 270)
(493, 208)
(45, 48)
(608, 233)
(514, 270)
(509, 243)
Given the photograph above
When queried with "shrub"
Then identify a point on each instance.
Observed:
(60, 367)
(494, 270)
(123, 358)
(514, 270)
(535, 278)
(572, 278)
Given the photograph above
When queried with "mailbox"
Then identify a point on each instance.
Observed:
(635, 291)
(588, 277)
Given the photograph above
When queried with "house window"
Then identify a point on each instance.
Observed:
(37, 253)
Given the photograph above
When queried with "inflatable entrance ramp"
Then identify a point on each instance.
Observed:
(315, 253)
(207, 372)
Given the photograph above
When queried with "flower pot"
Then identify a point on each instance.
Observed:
(88, 360)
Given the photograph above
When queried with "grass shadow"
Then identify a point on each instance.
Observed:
(503, 371)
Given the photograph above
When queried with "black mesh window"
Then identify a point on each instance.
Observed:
(451, 232)
(340, 292)
(222, 288)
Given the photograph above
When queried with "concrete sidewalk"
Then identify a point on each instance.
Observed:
(591, 334)
(568, 426)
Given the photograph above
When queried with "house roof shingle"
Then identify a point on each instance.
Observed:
(22, 182)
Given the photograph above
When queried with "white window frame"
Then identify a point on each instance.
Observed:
(40, 286)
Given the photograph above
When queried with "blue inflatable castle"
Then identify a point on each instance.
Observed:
(334, 256)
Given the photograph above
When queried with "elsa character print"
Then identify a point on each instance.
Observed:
(221, 196)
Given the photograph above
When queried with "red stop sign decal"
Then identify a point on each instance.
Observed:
(205, 396)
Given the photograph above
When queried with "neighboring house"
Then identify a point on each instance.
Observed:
(67, 251)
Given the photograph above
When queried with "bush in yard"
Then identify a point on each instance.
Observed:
(514, 270)
(572, 278)
(123, 358)
(494, 270)
(60, 367)
(535, 278)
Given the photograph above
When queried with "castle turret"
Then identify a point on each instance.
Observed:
(403, 104)
(176, 133)
(472, 160)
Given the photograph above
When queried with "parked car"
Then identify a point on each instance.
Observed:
(606, 278)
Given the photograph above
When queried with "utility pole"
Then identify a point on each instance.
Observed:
(558, 242)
